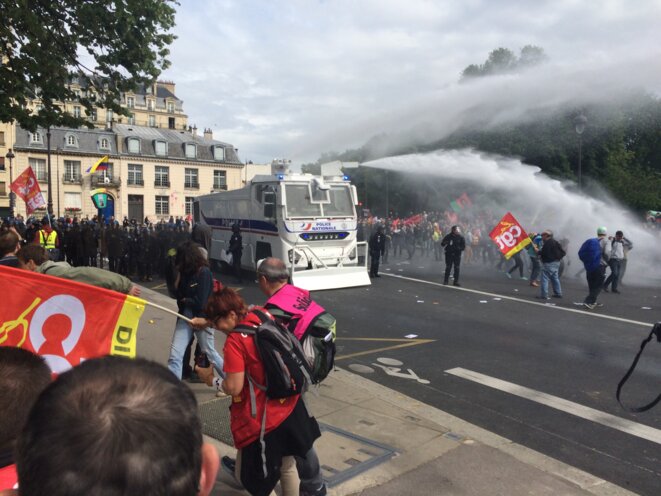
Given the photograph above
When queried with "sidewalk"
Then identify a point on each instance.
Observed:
(376, 441)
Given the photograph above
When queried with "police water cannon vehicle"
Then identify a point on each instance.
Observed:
(308, 221)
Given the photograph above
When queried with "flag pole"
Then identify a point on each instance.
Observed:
(172, 312)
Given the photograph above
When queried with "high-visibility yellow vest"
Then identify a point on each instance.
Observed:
(47, 241)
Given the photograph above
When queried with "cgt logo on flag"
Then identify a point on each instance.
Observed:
(509, 236)
(27, 188)
(64, 321)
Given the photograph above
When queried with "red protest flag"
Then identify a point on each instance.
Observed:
(464, 200)
(509, 236)
(65, 321)
(27, 187)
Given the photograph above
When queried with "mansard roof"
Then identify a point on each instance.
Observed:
(88, 141)
(176, 140)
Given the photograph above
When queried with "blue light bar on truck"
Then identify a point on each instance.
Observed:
(319, 236)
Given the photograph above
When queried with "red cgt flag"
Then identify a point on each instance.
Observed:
(27, 187)
(509, 236)
(65, 321)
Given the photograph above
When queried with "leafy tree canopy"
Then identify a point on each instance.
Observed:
(42, 43)
(503, 60)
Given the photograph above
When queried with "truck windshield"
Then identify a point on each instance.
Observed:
(300, 206)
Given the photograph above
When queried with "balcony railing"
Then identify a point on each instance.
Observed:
(135, 182)
(191, 185)
(72, 179)
(113, 182)
(161, 184)
(220, 187)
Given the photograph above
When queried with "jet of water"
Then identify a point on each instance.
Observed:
(537, 201)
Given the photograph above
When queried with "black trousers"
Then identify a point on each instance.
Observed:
(374, 264)
(452, 260)
(595, 283)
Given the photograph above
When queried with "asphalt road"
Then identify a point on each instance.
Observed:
(541, 374)
(494, 326)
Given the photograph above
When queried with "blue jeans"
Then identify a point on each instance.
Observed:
(550, 271)
(183, 333)
(614, 277)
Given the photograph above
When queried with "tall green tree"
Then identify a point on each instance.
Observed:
(110, 45)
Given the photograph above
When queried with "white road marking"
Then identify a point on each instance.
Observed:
(624, 425)
(521, 300)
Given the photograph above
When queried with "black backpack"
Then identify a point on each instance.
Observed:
(286, 368)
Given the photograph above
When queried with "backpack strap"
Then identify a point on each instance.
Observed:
(656, 331)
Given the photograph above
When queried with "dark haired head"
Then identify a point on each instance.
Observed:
(112, 426)
(189, 258)
(36, 253)
(23, 375)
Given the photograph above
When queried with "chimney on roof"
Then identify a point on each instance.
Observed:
(208, 134)
(194, 130)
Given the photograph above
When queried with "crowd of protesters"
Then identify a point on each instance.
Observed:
(421, 236)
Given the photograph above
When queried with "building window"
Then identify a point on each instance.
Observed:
(2, 138)
(190, 178)
(152, 121)
(135, 175)
(76, 111)
(162, 205)
(150, 104)
(218, 153)
(131, 119)
(162, 176)
(171, 123)
(219, 179)
(189, 205)
(36, 138)
(71, 140)
(161, 148)
(170, 108)
(71, 171)
(108, 115)
(130, 102)
(93, 115)
(72, 201)
(134, 145)
(104, 144)
(39, 167)
(3, 189)
(2, 163)
(191, 150)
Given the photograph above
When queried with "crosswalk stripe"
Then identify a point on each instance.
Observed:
(606, 419)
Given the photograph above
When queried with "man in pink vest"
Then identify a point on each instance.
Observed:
(292, 307)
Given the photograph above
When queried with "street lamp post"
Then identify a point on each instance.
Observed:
(579, 126)
(50, 189)
(12, 196)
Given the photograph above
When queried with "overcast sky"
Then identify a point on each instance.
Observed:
(295, 78)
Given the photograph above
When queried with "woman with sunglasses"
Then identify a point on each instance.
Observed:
(289, 429)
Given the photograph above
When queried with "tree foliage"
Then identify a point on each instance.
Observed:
(502, 60)
(42, 43)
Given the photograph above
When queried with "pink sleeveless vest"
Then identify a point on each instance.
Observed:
(297, 302)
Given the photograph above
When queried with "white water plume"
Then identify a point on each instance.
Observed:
(539, 202)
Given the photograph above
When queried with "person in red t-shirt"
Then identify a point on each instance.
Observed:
(290, 430)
